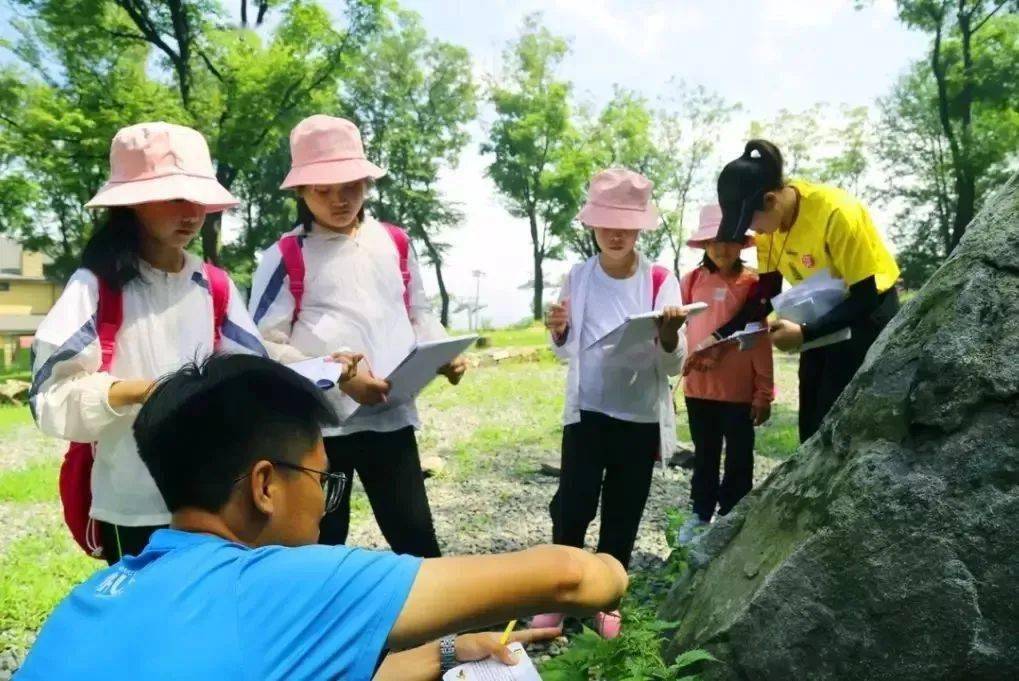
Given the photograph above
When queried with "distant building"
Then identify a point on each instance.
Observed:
(26, 295)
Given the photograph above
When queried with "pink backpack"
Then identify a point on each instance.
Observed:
(293, 263)
(76, 470)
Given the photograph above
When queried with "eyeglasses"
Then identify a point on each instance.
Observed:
(333, 484)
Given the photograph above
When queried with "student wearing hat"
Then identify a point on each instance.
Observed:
(340, 278)
(727, 398)
(618, 416)
(803, 228)
(139, 306)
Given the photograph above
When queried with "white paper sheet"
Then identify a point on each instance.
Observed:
(493, 670)
(640, 328)
(418, 369)
(321, 371)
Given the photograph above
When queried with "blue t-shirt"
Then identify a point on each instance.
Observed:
(196, 607)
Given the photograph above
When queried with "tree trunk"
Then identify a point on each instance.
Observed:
(436, 258)
(539, 257)
(443, 296)
(965, 181)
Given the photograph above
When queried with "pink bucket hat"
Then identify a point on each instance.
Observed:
(707, 230)
(161, 162)
(619, 199)
(327, 150)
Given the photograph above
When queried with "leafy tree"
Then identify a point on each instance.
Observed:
(538, 164)
(412, 97)
(82, 71)
(973, 60)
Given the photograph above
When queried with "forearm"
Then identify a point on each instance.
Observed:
(462, 593)
(756, 307)
(126, 393)
(863, 300)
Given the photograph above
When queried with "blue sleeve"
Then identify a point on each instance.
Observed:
(319, 612)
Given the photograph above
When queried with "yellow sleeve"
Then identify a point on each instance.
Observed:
(850, 241)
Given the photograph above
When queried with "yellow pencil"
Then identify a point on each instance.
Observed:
(506, 634)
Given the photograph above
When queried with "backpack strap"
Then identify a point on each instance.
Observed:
(402, 243)
(293, 263)
(687, 285)
(659, 274)
(109, 317)
(219, 287)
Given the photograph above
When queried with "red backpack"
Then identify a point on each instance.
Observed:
(293, 263)
(76, 470)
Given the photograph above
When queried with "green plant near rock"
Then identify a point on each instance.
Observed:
(637, 654)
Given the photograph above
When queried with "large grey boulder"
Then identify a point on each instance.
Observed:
(887, 547)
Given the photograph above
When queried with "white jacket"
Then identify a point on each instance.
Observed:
(667, 364)
(353, 299)
(168, 321)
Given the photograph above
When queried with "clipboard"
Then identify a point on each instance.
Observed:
(640, 328)
(417, 370)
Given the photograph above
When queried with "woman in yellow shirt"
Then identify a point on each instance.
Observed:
(802, 229)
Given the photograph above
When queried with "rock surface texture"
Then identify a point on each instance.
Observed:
(887, 547)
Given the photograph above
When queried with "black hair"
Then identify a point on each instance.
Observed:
(206, 424)
(710, 265)
(112, 251)
(750, 177)
(305, 217)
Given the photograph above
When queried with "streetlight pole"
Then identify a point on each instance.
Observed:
(477, 274)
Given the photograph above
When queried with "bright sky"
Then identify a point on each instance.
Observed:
(765, 54)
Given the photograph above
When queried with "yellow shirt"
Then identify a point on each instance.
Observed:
(833, 230)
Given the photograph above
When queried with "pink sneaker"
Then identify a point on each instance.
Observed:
(609, 624)
(548, 620)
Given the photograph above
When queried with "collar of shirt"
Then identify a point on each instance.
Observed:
(169, 539)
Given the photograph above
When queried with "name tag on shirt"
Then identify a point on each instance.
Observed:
(721, 294)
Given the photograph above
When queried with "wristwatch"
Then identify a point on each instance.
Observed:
(447, 653)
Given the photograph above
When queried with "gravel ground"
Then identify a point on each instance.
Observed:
(22, 444)
(498, 513)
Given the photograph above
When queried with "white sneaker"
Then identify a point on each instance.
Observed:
(691, 529)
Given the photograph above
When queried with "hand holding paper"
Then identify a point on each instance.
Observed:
(522, 669)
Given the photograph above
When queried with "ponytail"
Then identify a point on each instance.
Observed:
(112, 251)
(745, 180)
(769, 158)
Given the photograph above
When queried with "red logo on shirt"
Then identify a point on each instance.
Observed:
(808, 260)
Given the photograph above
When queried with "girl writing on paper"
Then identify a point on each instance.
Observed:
(340, 278)
(618, 415)
(726, 400)
(802, 229)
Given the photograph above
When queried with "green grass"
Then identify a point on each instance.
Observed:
(530, 336)
(14, 417)
(34, 483)
(38, 571)
(502, 410)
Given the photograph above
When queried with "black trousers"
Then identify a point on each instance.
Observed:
(390, 470)
(825, 372)
(123, 540)
(711, 422)
(610, 458)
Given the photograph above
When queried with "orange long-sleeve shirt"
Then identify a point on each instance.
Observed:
(745, 377)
